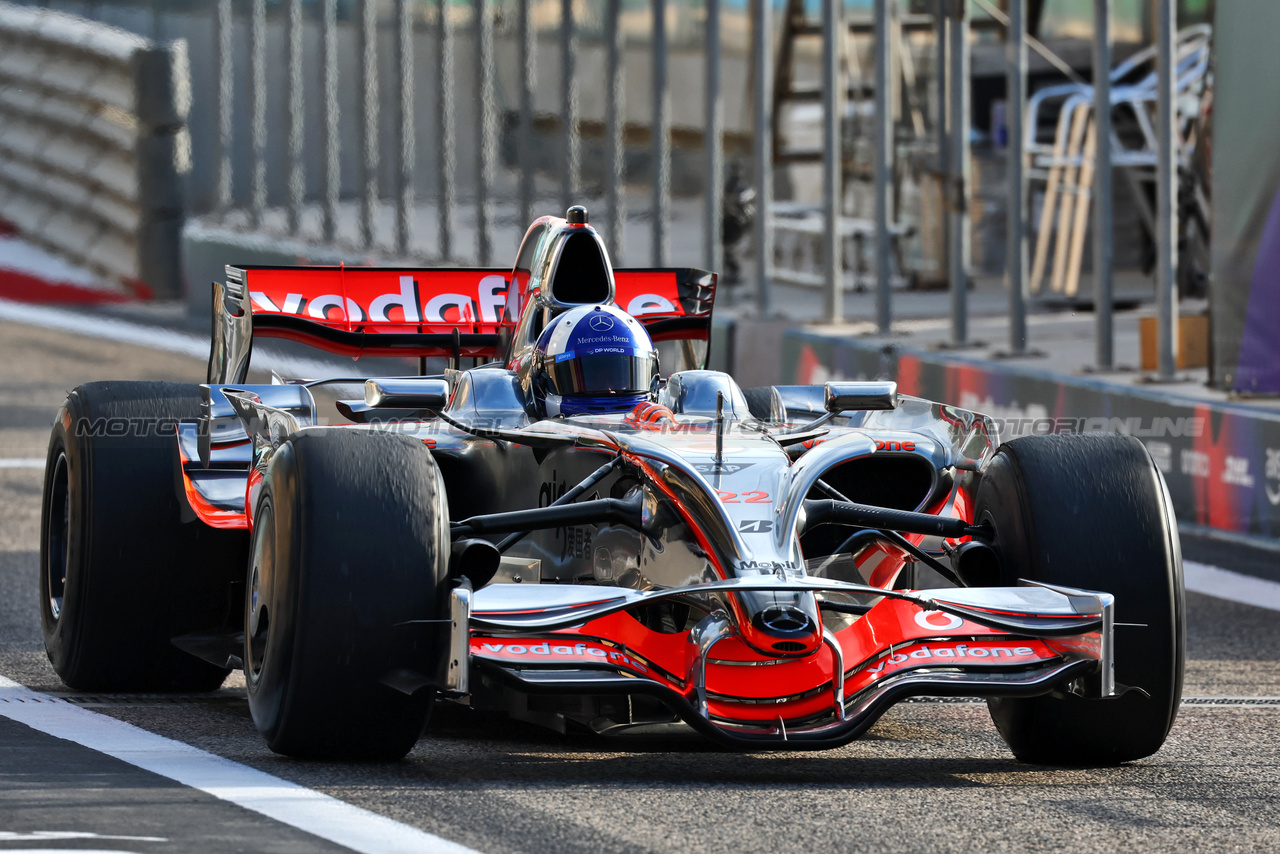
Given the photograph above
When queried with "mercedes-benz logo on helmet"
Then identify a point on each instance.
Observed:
(600, 322)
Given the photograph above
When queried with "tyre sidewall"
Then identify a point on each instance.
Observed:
(337, 595)
(274, 521)
(61, 633)
(137, 575)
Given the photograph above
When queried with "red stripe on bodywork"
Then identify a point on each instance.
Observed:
(214, 517)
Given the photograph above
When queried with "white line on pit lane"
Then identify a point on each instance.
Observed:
(142, 335)
(21, 462)
(285, 802)
(1232, 586)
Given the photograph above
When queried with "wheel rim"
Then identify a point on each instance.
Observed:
(59, 538)
(257, 621)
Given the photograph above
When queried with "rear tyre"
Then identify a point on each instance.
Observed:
(351, 543)
(120, 573)
(1092, 511)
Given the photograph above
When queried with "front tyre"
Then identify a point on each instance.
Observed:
(1092, 511)
(350, 546)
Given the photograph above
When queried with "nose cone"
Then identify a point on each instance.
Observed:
(785, 621)
(785, 628)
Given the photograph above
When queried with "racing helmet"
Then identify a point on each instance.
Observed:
(593, 359)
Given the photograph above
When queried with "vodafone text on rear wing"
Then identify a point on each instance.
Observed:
(396, 311)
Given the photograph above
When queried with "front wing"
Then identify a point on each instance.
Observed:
(580, 640)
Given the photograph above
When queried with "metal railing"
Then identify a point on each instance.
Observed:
(364, 124)
(93, 145)
(436, 100)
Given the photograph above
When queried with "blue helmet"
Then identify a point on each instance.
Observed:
(593, 359)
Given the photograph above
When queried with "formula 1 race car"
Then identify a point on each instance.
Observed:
(563, 533)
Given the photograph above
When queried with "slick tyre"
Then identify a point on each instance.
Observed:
(351, 544)
(121, 573)
(1092, 511)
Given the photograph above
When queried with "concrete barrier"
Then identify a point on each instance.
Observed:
(93, 145)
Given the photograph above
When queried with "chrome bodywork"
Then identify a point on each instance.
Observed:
(693, 592)
(723, 559)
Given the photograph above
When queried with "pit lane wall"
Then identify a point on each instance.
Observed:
(94, 146)
(1221, 461)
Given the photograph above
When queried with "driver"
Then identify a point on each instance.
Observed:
(593, 359)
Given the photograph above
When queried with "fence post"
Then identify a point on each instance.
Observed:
(525, 145)
(569, 105)
(446, 151)
(614, 117)
(222, 40)
(941, 129)
(1166, 191)
(958, 230)
(294, 129)
(884, 164)
(832, 160)
(331, 184)
(1103, 301)
(762, 149)
(486, 136)
(713, 248)
(1015, 109)
(258, 111)
(368, 32)
(405, 149)
(162, 86)
(661, 135)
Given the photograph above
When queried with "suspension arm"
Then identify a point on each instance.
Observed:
(618, 511)
(867, 516)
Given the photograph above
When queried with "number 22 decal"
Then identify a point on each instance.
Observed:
(754, 496)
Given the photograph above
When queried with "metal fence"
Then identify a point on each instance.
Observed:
(1176, 67)
(424, 128)
(430, 72)
(93, 144)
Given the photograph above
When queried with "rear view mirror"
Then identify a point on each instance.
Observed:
(843, 397)
(411, 393)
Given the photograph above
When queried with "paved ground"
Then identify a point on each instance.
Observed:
(928, 777)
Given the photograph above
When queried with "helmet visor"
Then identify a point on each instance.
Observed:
(602, 373)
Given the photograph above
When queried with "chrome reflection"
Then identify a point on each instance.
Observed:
(710, 631)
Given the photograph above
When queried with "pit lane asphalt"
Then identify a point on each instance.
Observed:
(928, 777)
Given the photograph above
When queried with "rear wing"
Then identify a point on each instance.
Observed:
(397, 311)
